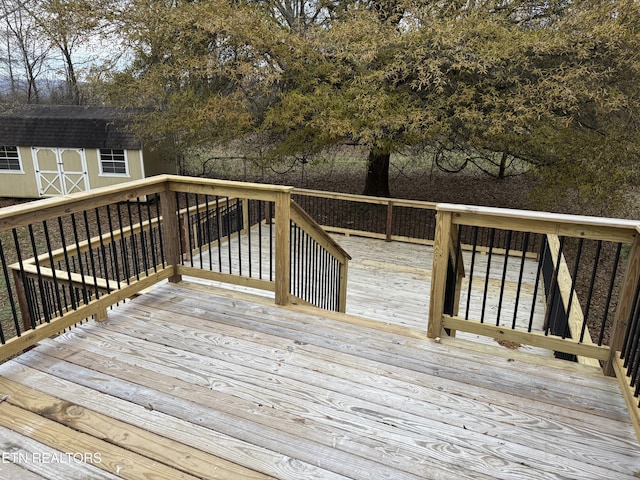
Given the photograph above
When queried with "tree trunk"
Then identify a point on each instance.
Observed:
(377, 183)
(503, 165)
(73, 91)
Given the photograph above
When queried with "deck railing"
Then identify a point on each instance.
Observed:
(575, 279)
(592, 246)
(374, 217)
(67, 259)
(587, 271)
(561, 284)
(319, 265)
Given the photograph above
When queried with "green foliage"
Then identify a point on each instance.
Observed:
(553, 84)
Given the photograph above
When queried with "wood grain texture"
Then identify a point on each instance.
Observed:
(283, 248)
(291, 393)
(598, 228)
(95, 307)
(116, 432)
(625, 305)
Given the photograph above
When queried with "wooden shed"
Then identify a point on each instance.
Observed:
(52, 150)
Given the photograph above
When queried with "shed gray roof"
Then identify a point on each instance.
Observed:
(67, 126)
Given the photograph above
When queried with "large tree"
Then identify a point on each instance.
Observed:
(24, 53)
(71, 28)
(552, 83)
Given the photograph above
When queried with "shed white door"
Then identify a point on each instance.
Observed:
(60, 171)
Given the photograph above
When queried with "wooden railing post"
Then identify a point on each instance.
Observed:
(342, 296)
(439, 272)
(629, 285)
(389, 220)
(283, 247)
(171, 232)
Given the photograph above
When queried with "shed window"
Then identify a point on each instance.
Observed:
(9, 159)
(113, 161)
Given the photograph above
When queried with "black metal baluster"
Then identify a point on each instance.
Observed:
(325, 275)
(632, 326)
(525, 246)
(248, 227)
(316, 276)
(486, 280)
(229, 231)
(90, 254)
(612, 284)
(14, 311)
(456, 266)
(270, 241)
(634, 360)
(504, 275)
(45, 310)
(152, 241)
(239, 217)
(219, 232)
(200, 235)
(553, 286)
(32, 293)
(85, 291)
(181, 228)
(300, 261)
(541, 256)
(309, 272)
(103, 251)
(160, 238)
(53, 268)
(75, 301)
(63, 287)
(594, 270)
(123, 247)
(208, 225)
(134, 244)
(260, 210)
(189, 229)
(143, 243)
(113, 248)
(473, 263)
(295, 274)
(574, 277)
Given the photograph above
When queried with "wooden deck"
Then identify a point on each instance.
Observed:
(190, 381)
(390, 282)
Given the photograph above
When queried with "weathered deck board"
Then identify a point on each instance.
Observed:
(289, 394)
(119, 433)
(390, 281)
(18, 462)
(171, 427)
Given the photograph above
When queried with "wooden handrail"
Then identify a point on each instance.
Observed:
(226, 188)
(46, 209)
(118, 234)
(397, 202)
(315, 231)
(596, 228)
